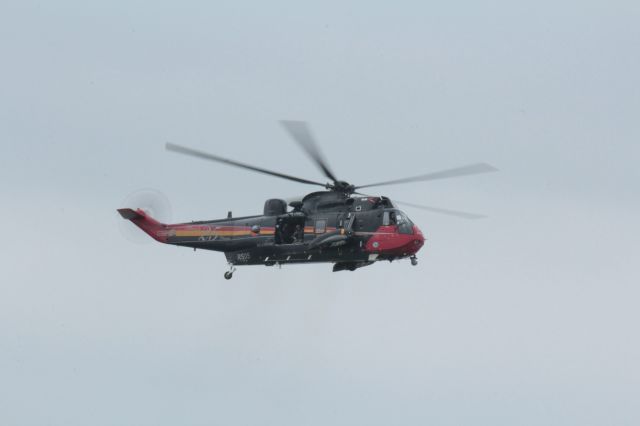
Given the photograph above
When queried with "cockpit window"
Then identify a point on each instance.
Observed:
(405, 226)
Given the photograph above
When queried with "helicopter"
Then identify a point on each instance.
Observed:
(338, 224)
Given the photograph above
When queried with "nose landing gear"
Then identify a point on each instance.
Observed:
(229, 274)
(414, 260)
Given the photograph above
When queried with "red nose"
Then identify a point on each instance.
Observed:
(387, 240)
(418, 238)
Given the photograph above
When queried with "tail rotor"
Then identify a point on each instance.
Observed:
(154, 203)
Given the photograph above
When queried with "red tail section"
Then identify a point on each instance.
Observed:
(155, 229)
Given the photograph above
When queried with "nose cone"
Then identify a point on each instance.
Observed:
(418, 238)
(389, 242)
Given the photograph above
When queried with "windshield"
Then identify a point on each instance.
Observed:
(398, 218)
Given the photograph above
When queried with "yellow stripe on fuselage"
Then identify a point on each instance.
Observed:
(198, 233)
(229, 233)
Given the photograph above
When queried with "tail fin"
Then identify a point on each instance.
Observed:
(155, 229)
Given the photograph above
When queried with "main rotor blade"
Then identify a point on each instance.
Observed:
(463, 215)
(300, 132)
(471, 169)
(207, 156)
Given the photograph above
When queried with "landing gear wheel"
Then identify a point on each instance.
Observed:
(229, 274)
(414, 260)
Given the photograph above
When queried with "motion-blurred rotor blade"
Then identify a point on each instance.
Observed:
(300, 132)
(207, 156)
(464, 215)
(471, 169)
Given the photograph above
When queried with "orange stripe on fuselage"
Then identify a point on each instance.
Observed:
(220, 231)
(230, 231)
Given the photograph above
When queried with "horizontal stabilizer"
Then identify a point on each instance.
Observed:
(129, 214)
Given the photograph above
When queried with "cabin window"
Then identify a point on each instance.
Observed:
(321, 226)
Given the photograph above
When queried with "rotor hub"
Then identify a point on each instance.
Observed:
(341, 186)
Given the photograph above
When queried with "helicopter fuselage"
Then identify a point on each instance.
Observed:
(350, 232)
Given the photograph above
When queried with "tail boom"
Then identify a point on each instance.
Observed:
(155, 229)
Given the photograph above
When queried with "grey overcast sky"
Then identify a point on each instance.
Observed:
(529, 317)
